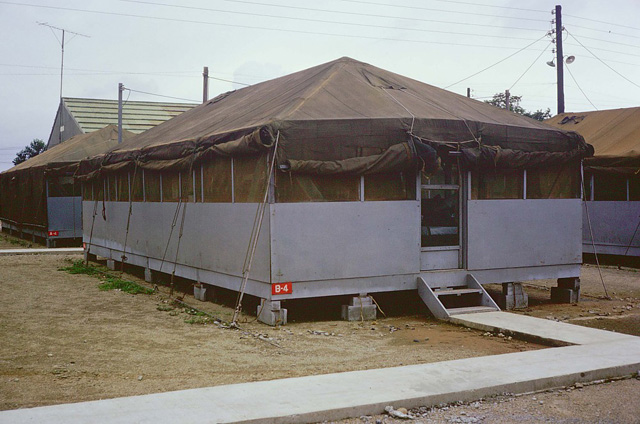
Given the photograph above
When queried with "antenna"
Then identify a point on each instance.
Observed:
(61, 41)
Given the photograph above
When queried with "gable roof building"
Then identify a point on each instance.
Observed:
(80, 116)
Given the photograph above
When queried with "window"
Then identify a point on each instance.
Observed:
(186, 186)
(217, 180)
(634, 188)
(137, 185)
(112, 188)
(152, 186)
(249, 179)
(390, 186)
(292, 188)
(170, 186)
(497, 184)
(440, 207)
(123, 187)
(609, 187)
(559, 182)
(63, 186)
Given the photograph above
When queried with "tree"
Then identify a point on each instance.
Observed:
(33, 149)
(499, 100)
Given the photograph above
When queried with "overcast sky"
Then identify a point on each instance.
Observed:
(161, 46)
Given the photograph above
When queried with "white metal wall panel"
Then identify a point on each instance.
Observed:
(64, 216)
(215, 238)
(337, 240)
(613, 225)
(524, 233)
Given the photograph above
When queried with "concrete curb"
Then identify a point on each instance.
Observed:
(53, 251)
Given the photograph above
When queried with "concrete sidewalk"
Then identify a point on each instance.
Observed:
(352, 394)
(52, 251)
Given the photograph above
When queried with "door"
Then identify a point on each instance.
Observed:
(440, 210)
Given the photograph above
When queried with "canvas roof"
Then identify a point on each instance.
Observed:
(75, 149)
(340, 110)
(614, 132)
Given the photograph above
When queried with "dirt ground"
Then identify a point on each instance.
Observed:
(63, 340)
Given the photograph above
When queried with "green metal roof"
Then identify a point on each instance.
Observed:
(95, 114)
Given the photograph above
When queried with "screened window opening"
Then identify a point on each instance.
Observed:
(63, 186)
(112, 185)
(170, 186)
(216, 176)
(123, 187)
(292, 188)
(249, 179)
(634, 189)
(152, 186)
(186, 186)
(137, 185)
(390, 186)
(609, 187)
(561, 182)
(497, 184)
(440, 207)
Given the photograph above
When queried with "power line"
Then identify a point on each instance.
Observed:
(494, 6)
(530, 66)
(580, 88)
(497, 63)
(603, 62)
(605, 31)
(616, 24)
(444, 10)
(252, 27)
(226, 80)
(161, 95)
(635, 46)
(324, 21)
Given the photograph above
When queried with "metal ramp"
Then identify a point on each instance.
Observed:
(465, 297)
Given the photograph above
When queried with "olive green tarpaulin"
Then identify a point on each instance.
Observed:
(614, 134)
(343, 116)
(23, 187)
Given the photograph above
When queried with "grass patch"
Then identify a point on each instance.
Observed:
(110, 282)
(115, 283)
(79, 267)
(16, 241)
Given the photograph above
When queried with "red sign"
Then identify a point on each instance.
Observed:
(53, 234)
(282, 288)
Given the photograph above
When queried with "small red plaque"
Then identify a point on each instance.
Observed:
(53, 234)
(282, 288)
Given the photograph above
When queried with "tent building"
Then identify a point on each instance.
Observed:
(355, 180)
(611, 211)
(41, 199)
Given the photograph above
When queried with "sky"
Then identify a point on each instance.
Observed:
(161, 46)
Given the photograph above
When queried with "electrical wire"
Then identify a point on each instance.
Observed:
(497, 63)
(252, 27)
(605, 31)
(160, 95)
(580, 88)
(603, 62)
(226, 80)
(324, 21)
(530, 66)
(615, 24)
(444, 10)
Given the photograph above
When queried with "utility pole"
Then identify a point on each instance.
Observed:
(205, 84)
(559, 59)
(120, 90)
(507, 98)
(62, 42)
